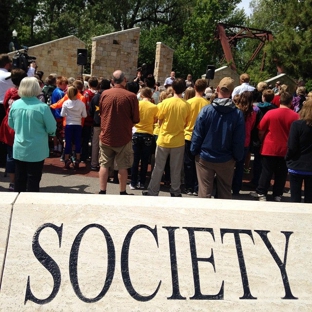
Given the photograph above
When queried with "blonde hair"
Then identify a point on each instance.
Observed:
(146, 93)
(168, 93)
(283, 88)
(301, 91)
(72, 92)
(244, 77)
(29, 87)
(306, 112)
(189, 93)
(261, 86)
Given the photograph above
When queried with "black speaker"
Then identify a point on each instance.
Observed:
(81, 56)
(210, 72)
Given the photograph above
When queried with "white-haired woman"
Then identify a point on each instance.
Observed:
(32, 122)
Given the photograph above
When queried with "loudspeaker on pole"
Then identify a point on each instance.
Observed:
(210, 72)
(82, 57)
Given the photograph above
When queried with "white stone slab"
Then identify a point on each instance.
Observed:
(6, 201)
(157, 268)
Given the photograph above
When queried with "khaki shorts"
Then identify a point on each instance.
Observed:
(123, 156)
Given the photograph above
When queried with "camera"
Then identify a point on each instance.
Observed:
(22, 60)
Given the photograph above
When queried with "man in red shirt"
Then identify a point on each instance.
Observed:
(119, 111)
(273, 132)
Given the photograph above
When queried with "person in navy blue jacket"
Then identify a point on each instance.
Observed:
(218, 142)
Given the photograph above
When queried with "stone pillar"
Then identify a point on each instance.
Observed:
(163, 62)
(118, 50)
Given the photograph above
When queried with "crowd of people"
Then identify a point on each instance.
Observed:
(190, 133)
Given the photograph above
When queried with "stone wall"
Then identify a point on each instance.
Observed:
(118, 50)
(58, 56)
(163, 62)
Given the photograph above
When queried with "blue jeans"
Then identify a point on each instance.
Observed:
(85, 138)
(296, 181)
(72, 134)
(142, 144)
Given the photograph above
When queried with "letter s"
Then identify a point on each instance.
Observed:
(47, 262)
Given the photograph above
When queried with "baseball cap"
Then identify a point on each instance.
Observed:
(227, 83)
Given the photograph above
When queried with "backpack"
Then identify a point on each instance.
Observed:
(47, 91)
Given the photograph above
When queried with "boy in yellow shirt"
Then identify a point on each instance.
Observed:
(173, 116)
(196, 104)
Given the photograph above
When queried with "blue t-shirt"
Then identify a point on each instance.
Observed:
(57, 94)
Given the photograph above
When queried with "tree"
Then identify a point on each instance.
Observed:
(290, 22)
(199, 47)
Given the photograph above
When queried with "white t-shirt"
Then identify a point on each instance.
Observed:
(243, 87)
(73, 110)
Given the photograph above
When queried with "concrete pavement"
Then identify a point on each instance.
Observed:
(57, 179)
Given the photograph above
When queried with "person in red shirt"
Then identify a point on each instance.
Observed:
(273, 132)
(119, 111)
(88, 123)
(6, 132)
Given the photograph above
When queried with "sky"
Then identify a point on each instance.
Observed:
(245, 5)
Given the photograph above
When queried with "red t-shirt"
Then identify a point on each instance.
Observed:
(276, 100)
(88, 94)
(276, 125)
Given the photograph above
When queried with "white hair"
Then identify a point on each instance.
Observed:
(29, 87)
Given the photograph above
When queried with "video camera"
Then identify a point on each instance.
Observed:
(22, 60)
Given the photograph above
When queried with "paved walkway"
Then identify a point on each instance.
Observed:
(57, 179)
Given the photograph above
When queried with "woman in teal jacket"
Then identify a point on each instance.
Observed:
(32, 122)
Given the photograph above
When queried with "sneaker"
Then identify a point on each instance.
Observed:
(140, 186)
(261, 197)
(188, 192)
(131, 187)
(277, 198)
(195, 193)
(94, 168)
(145, 193)
(11, 187)
(174, 195)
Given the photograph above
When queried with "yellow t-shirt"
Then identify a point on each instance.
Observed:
(156, 128)
(196, 104)
(174, 113)
(148, 112)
